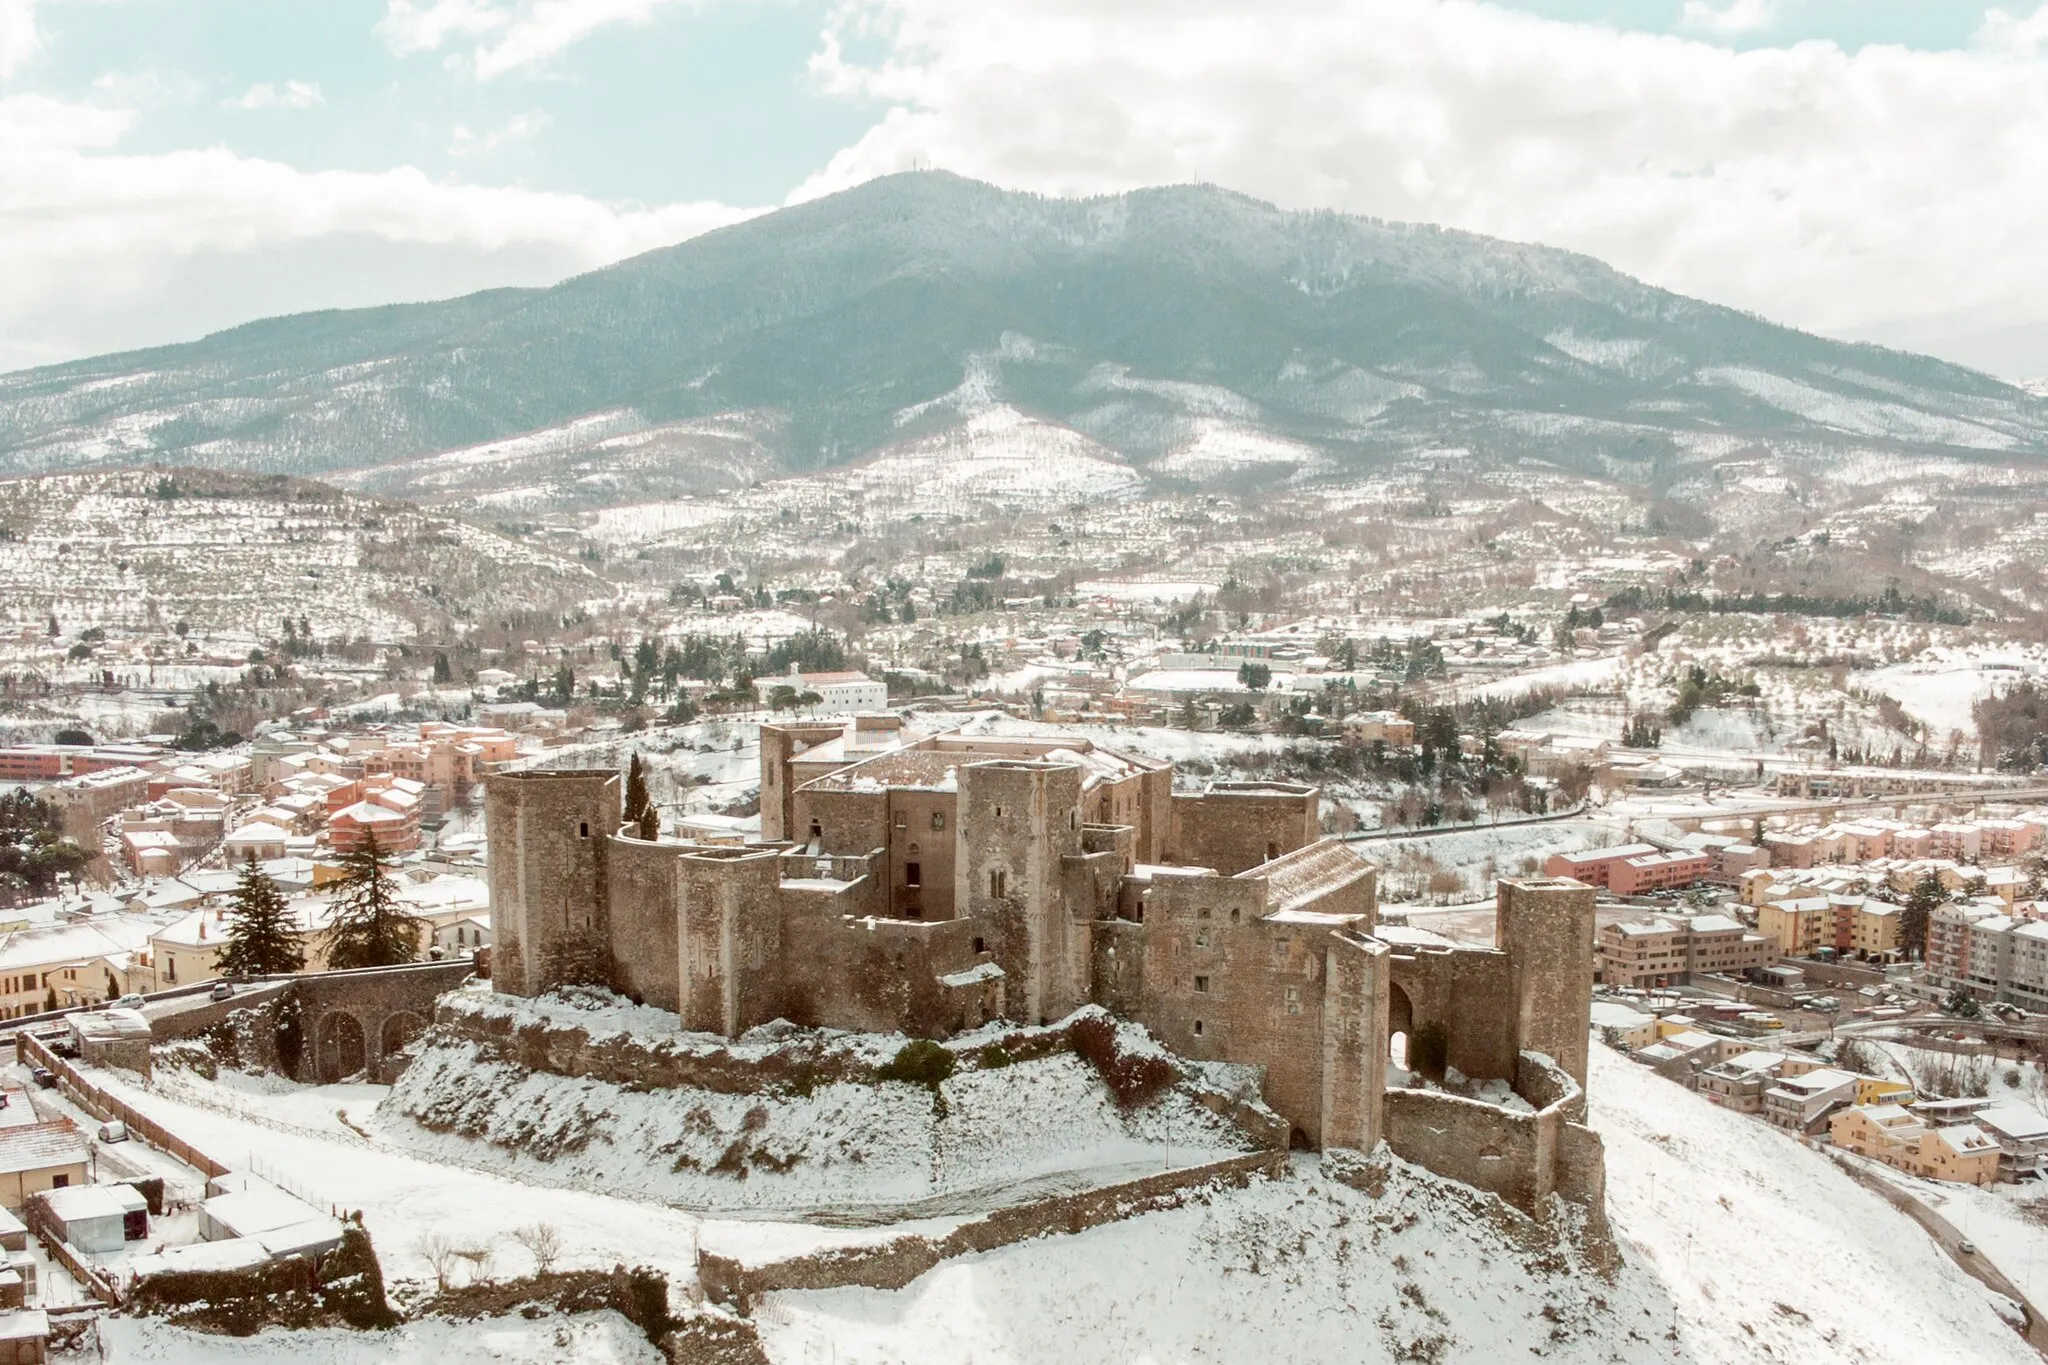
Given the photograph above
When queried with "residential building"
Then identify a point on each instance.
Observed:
(2022, 1137)
(39, 1156)
(1740, 1082)
(1595, 867)
(1799, 1102)
(1363, 729)
(1962, 1153)
(1662, 952)
(1648, 872)
(1799, 928)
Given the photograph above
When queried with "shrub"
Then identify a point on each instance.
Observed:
(920, 1062)
(994, 1057)
(1134, 1078)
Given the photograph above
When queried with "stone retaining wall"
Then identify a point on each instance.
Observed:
(895, 1263)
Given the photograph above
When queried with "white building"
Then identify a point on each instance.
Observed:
(849, 690)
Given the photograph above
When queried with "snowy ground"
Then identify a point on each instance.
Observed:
(1769, 1251)
(403, 1197)
(1295, 1270)
(1479, 856)
(588, 1339)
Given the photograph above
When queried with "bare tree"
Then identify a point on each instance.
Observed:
(478, 1258)
(543, 1242)
(439, 1254)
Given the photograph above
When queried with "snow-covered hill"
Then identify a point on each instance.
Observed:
(1185, 325)
(146, 549)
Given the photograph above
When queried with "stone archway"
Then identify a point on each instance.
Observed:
(399, 1029)
(338, 1047)
(1400, 1026)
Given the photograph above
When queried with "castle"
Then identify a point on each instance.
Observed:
(927, 879)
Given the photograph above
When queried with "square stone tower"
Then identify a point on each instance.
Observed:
(1545, 926)
(549, 831)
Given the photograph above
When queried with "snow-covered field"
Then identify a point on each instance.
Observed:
(587, 1339)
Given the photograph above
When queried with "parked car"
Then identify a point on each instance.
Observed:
(131, 1001)
(114, 1131)
(224, 991)
(44, 1077)
(1967, 1248)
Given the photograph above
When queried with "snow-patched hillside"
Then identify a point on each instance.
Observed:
(145, 548)
(843, 1146)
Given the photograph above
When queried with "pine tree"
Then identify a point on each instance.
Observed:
(262, 939)
(369, 928)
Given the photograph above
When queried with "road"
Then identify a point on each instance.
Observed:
(1949, 1240)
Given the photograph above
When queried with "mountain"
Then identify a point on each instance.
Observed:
(1188, 331)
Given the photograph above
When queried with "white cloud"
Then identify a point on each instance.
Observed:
(512, 35)
(107, 250)
(518, 128)
(18, 40)
(290, 95)
(2016, 35)
(1730, 16)
(1833, 190)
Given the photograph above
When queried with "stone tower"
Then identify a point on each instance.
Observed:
(549, 831)
(1018, 819)
(1545, 926)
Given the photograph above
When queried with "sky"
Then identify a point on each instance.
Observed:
(1871, 169)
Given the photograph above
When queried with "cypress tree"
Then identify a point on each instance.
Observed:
(637, 803)
(369, 927)
(262, 938)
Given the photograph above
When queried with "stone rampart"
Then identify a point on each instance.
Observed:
(896, 1262)
(1523, 1157)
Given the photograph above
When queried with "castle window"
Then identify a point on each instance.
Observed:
(913, 874)
(583, 829)
(1201, 985)
(901, 820)
(1198, 1028)
(1272, 851)
(1202, 913)
(1201, 938)
(995, 885)
(938, 819)
(1074, 818)
(1234, 912)
(999, 812)
(981, 945)
(817, 831)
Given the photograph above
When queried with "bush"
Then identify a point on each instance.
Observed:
(921, 1062)
(1134, 1078)
(994, 1057)
(647, 1302)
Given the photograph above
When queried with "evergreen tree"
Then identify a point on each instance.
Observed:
(1927, 894)
(369, 928)
(650, 823)
(261, 935)
(637, 801)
